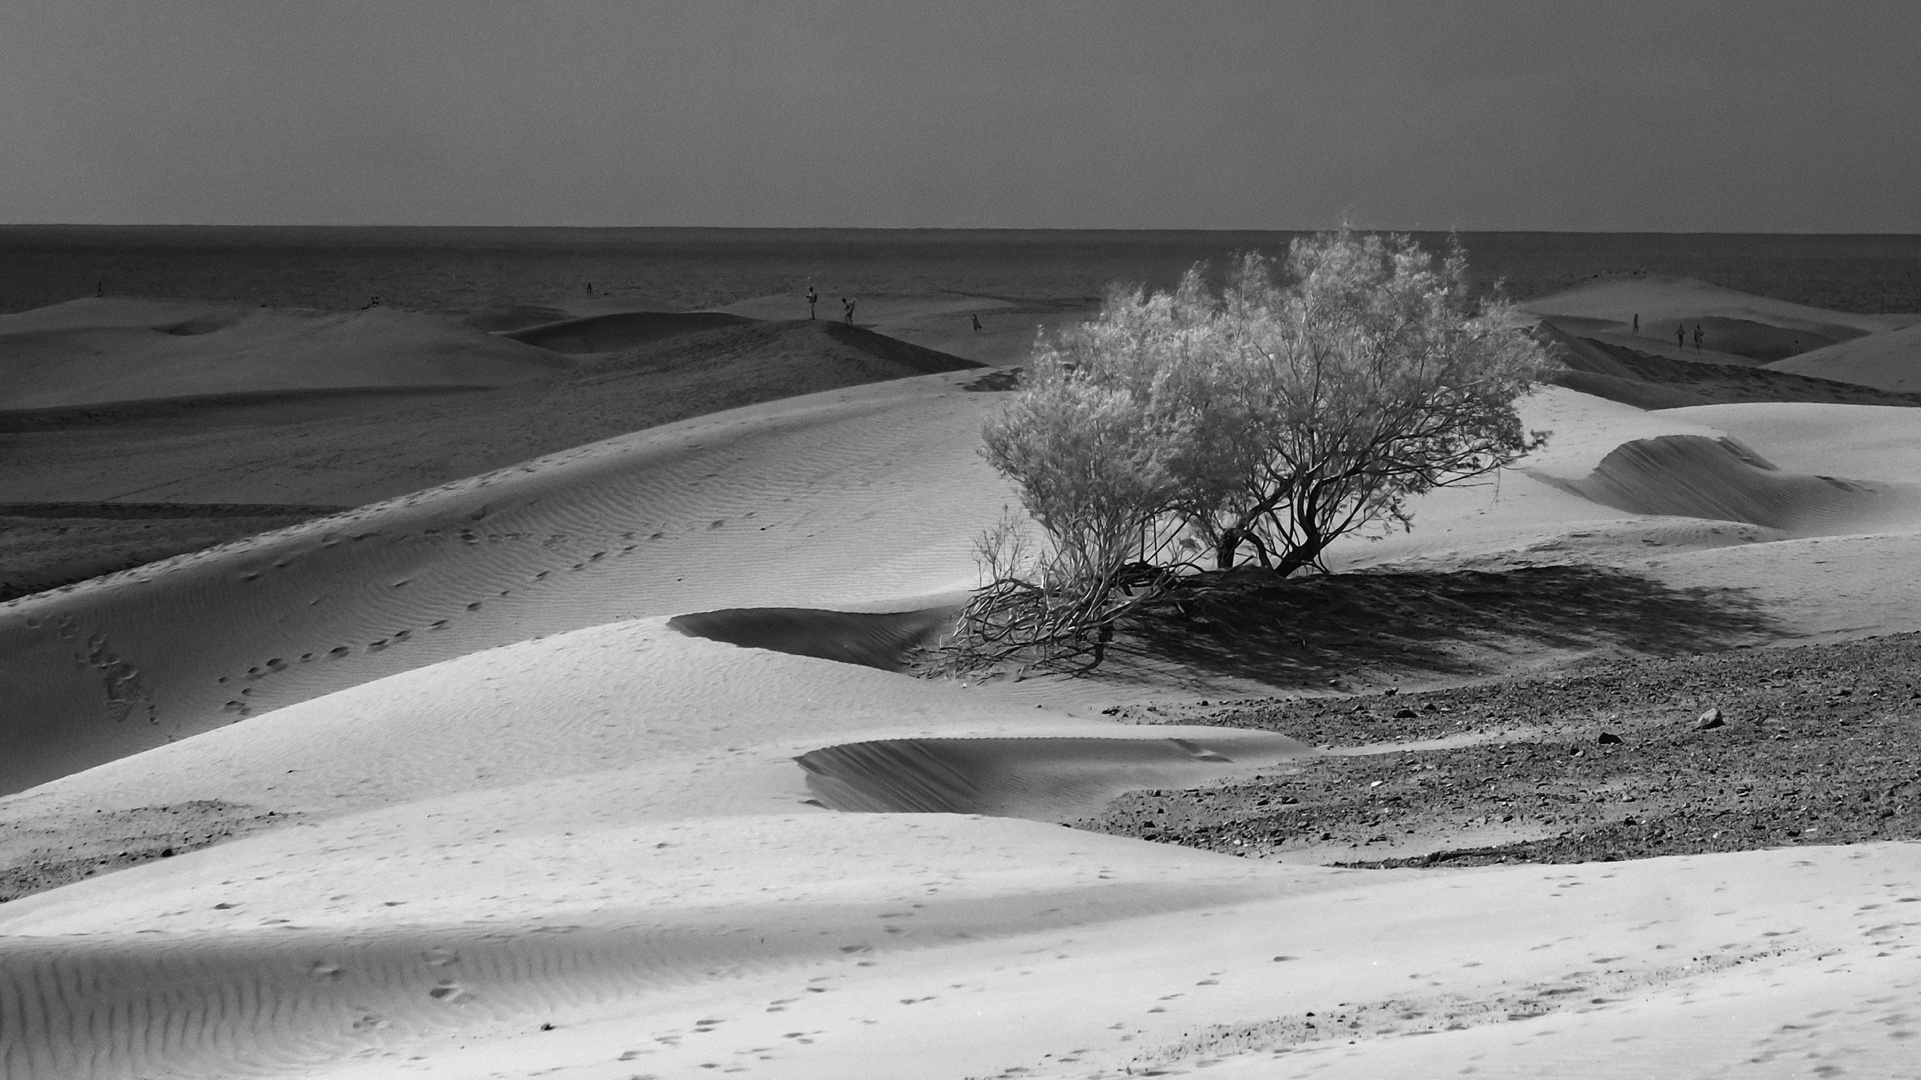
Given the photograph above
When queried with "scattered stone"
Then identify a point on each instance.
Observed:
(1608, 738)
(1406, 714)
(1710, 719)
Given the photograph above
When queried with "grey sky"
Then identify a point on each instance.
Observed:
(1736, 116)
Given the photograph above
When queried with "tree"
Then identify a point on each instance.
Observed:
(1093, 442)
(1371, 376)
(1276, 415)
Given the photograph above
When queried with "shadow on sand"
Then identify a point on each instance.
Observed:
(1246, 624)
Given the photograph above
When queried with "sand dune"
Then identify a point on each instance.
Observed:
(1731, 321)
(260, 454)
(665, 874)
(1890, 360)
(1629, 370)
(653, 523)
(535, 771)
(91, 352)
(44, 546)
(1720, 479)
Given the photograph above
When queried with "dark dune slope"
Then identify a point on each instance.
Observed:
(1649, 381)
(213, 457)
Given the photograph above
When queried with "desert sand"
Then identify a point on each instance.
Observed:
(473, 779)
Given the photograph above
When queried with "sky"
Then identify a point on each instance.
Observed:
(1679, 116)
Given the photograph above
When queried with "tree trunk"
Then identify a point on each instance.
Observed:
(1309, 550)
(1224, 551)
(1291, 562)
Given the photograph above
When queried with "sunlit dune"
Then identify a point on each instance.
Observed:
(1890, 360)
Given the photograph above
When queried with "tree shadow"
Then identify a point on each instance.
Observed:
(1248, 624)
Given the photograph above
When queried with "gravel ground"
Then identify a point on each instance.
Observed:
(1622, 759)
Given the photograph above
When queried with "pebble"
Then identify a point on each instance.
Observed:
(1710, 719)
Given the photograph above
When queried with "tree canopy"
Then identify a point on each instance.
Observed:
(1296, 403)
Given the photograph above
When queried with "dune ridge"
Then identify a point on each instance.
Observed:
(1627, 370)
(653, 523)
(259, 452)
(108, 352)
(1722, 479)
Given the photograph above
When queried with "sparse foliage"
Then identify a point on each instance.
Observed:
(1276, 415)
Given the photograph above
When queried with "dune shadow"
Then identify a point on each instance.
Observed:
(1042, 778)
(1248, 624)
(885, 640)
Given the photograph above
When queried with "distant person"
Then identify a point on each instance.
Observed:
(1697, 337)
(977, 324)
(100, 287)
(848, 305)
(812, 299)
(590, 288)
(1680, 336)
(1637, 324)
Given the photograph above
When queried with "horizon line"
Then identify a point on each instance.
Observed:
(12, 226)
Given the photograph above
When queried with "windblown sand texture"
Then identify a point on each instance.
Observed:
(600, 761)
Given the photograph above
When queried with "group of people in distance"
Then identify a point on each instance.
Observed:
(847, 308)
(1680, 333)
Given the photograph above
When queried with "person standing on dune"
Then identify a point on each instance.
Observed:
(1697, 337)
(977, 324)
(1637, 324)
(1680, 336)
(848, 306)
(812, 298)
